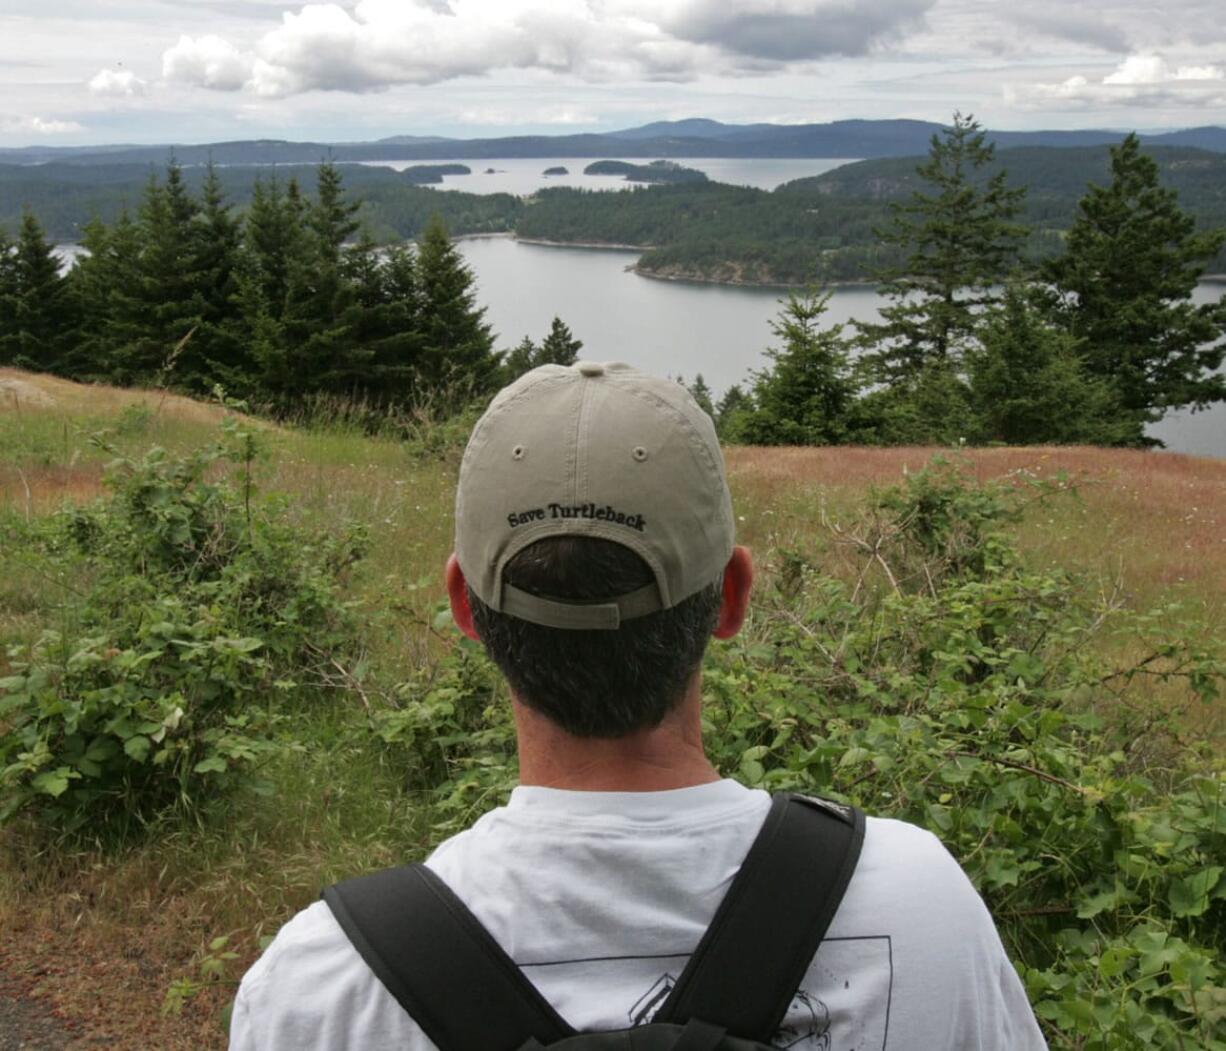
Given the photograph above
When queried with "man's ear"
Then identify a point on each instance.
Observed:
(457, 592)
(738, 579)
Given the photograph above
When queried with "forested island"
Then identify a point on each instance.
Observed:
(667, 172)
(432, 174)
(823, 229)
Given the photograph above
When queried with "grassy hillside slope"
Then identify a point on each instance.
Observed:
(100, 935)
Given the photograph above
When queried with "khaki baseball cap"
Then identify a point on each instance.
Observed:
(600, 450)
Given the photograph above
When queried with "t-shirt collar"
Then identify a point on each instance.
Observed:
(639, 806)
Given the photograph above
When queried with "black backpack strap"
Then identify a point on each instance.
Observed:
(431, 953)
(440, 963)
(761, 942)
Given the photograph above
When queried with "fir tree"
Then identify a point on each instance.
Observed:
(1123, 288)
(154, 323)
(218, 351)
(38, 314)
(105, 287)
(457, 359)
(803, 397)
(559, 347)
(730, 413)
(959, 240)
(8, 296)
(701, 393)
(519, 361)
(1028, 383)
(322, 351)
(392, 329)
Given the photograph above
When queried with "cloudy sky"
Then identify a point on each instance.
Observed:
(90, 71)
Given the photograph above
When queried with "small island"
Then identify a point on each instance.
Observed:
(427, 174)
(656, 171)
(556, 170)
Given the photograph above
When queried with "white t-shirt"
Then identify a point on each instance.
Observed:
(600, 897)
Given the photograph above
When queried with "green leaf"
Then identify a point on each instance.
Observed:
(214, 764)
(101, 749)
(137, 748)
(53, 782)
(1190, 896)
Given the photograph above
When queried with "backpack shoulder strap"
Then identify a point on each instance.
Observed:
(755, 953)
(431, 953)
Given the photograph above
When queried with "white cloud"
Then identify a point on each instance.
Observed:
(109, 83)
(207, 61)
(518, 116)
(380, 43)
(1140, 80)
(1152, 69)
(37, 125)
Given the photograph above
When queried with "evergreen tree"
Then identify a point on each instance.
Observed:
(1123, 288)
(559, 347)
(1028, 384)
(393, 330)
(732, 410)
(803, 397)
(959, 242)
(331, 218)
(8, 296)
(269, 276)
(323, 353)
(38, 312)
(105, 285)
(157, 319)
(701, 393)
(218, 351)
(517, 362)
(932, 407)
(457, 358)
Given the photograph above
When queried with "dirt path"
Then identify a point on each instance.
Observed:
(27, 1025)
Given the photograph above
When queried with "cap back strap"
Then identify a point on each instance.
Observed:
(605, 615)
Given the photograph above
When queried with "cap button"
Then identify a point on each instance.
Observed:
(590, 368)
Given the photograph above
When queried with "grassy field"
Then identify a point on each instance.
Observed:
(100, 937)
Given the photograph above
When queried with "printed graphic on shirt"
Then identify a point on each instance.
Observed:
(807, 1022)
(646, 1006)
(842, 1005)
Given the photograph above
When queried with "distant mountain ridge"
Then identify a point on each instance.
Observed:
(692, 138)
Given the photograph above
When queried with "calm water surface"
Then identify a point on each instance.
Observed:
(525, 175)
(681, 329)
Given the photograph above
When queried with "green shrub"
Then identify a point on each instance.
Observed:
(195, 607)
(949, 685)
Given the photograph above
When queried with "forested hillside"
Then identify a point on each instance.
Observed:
(816, 229)
(823, 228)
(392, 206)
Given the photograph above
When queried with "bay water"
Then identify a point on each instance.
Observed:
(683, 329)
(526, 175)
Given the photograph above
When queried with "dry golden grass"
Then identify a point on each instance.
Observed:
(1155, 520)
(31, 391)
